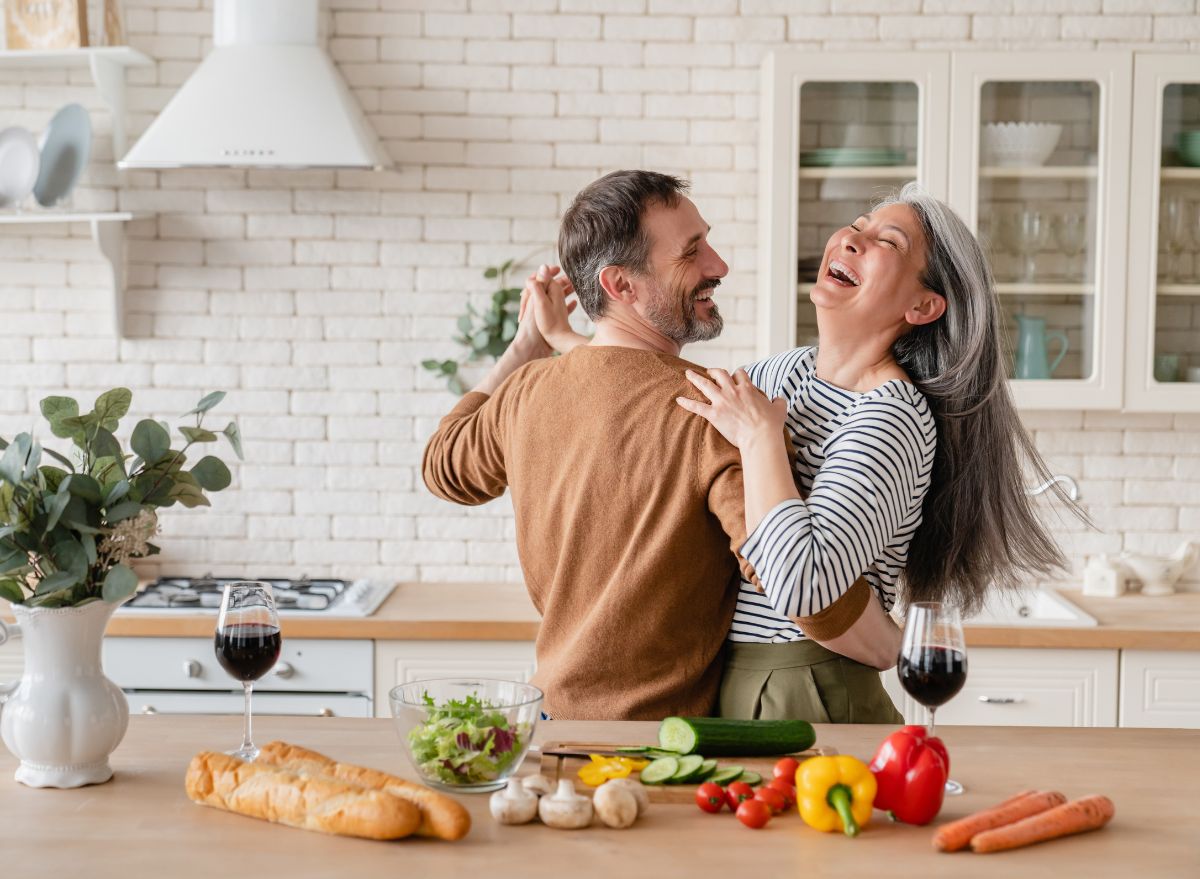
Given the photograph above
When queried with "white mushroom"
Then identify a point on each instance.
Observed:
(565, 809)
(514, 804)
(637, 789)
(539, 784)
(616, 805)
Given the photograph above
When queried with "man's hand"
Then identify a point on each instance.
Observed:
(545, 297)
(527, 345)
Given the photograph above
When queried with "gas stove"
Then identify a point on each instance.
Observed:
(302, 597)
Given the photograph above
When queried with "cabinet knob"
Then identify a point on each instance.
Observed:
(149, 709)
(284, 670)
(191, 668)
(325, 712)
(999, 700)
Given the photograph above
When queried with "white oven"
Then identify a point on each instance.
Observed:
(320, 677)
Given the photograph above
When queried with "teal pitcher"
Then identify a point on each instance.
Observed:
(1031, 359)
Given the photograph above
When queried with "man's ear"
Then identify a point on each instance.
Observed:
(617, 284)
(930, 307)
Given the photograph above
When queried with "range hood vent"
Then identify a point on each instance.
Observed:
(267, 96)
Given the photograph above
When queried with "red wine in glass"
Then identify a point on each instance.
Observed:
(247, 643)
(932, 666)
(248, 650)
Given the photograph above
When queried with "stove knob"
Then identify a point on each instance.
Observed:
(149, 709)
(325, 712)
(284, 670)
(191, 668)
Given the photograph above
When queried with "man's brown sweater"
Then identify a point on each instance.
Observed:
(629, 512)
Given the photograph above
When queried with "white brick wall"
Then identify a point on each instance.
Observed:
(312, 297)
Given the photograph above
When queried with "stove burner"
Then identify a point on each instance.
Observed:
(303, 593)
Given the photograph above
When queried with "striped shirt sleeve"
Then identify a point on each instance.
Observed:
(876, 471)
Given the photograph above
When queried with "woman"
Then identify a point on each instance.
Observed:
(907, 383)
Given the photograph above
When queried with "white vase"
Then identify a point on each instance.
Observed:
(64, 717)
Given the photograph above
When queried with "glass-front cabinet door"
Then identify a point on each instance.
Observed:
(1039, 167)
(839, 133)
(1163, 371)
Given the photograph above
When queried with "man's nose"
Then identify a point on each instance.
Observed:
(716, 267)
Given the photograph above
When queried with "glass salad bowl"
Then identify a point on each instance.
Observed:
(466, 735)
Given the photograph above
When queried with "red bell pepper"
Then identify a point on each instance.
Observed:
(911, 768)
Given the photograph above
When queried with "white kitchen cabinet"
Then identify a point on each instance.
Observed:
(402, 662)
(1073, 237)
(1160, 688)
(1025, 687)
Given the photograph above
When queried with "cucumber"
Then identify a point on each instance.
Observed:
(717, 736)
(660, 770)
(655, 753)
(727, 775)
(751, 778)
(707, 768)
(635, 749)
(689, 767)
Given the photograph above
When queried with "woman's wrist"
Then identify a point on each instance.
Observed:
(566, 340)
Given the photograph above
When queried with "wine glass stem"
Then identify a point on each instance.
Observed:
(932, 712)
(247, 744)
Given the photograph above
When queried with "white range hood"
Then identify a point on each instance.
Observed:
(267, 96)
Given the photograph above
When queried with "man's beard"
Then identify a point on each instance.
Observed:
(674, 314)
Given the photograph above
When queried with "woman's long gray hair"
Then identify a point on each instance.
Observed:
(978, 525)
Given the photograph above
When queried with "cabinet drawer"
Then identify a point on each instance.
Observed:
(1160, 688)
(1019, 687)
(402, 662)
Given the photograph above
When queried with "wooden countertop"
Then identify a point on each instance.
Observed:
(142, 824)
(503, 612)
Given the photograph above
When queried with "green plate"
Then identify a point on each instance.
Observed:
(852, 156)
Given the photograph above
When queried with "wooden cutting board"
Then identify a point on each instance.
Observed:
(555, 767)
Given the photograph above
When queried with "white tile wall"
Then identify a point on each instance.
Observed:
(312, 297)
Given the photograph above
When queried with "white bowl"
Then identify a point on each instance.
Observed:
(1014, 144)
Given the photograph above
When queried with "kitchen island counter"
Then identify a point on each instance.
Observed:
(142, 823)
(503, 612)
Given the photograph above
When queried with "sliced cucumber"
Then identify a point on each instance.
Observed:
(655, 753)
(689, 768)
(634, 749)
(707, 768)
(751, 778)
(717, 736)
(660, 770)
(727, 775)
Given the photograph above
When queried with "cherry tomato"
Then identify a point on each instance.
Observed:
(754, 813)
(773, 798)
(737, 792)
(786, 769)
(784, 788)
(710, 797)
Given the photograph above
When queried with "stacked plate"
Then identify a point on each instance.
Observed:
(51, 170)
(1189, 147)
(861, 156)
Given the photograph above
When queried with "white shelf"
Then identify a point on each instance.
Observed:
(1179, 289)
(107, 64)
(1040, 172)
(108, 231)
(1181, 173)
(858, 172)
(1064, 288)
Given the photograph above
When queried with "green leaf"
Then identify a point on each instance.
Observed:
(12, 462)
(506, 266)
(88, 542)
(120, 582)
(449, 367)
(464, 324)
(55, 410)
(188, 495)
(491, 272)
(86, 488)
(116, 492)
(234, 435)
(69, 555)
(11, 590)
(432, 365)
(105, 445)
(211, 473)
(111, 407)
(122, 511)
(56, 581)
(33, 461)
(198, 434)
(150, 441)
(57, 504)
(53, 476)
(12, 562)
(456, 385)
(480, 339)
(62, 459)
(206, 403)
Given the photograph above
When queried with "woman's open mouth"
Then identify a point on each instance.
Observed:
(842, 275)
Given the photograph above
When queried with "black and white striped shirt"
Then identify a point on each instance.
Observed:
(863, 463)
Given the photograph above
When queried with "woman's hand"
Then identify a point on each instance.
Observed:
(736, 408)
(545, 299)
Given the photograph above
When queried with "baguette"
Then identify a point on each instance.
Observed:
(442, 817)
(260, 791)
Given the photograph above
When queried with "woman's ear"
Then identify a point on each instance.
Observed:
(927, 310)
(616, 283)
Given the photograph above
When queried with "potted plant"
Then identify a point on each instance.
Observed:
(70, 524)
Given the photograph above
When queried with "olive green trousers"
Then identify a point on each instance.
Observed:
(801, 680)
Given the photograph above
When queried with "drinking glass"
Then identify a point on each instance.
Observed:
(1031, 229)
(1175, 234)
(933, 660)
(1070, 234)
(247, 643)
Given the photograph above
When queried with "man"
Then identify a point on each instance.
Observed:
(629, 511)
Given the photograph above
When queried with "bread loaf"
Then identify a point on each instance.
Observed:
(442, 817)
(261, 791)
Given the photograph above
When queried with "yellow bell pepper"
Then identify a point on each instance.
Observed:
(601, 769)
(835, 793)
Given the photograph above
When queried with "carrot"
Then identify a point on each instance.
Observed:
(1089, 813)
(957, 835)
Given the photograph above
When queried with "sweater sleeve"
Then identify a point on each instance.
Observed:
(809, 553)
(720, 465)
(464, 459)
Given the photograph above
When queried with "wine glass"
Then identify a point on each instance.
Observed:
(1070, 233)
(1031, 228)
(247, 643)
(933, 660)
(1175, 234)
